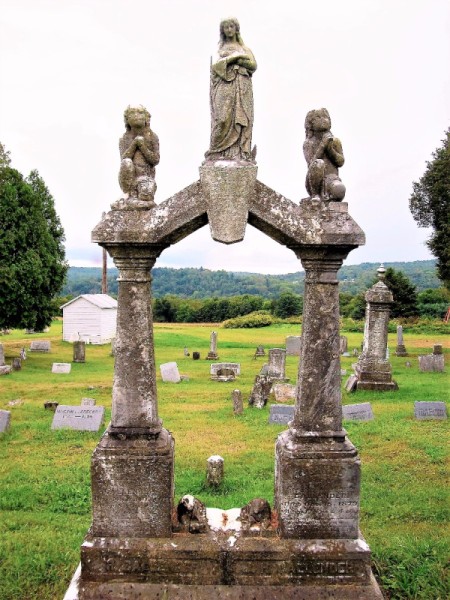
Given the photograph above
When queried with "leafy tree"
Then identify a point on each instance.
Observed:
(404, 292)
(163, 310)
(288, 305)
(32, 258)
(430, 206)
(433, 303)
(5, 160)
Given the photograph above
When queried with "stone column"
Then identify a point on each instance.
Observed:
(317, 473)
(373, 370)
(400, 349)
(132, 467)
(212, 354)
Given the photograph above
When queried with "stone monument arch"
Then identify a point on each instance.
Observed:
(315, 550)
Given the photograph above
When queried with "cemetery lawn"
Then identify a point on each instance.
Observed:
(45, 479)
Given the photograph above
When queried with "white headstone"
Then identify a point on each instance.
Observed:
(170, 373)
(80, 418)
(61, 367)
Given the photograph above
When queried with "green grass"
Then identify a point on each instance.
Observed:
(45, 479)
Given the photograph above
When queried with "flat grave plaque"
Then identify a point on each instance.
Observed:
(430, 410)
(5, 419)
(280, 414)
(61, 367)
(80, 418)
(40, 346)
(357, 412)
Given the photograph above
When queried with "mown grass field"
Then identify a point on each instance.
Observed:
(45, 479)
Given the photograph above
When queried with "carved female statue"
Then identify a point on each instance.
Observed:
(231, 97)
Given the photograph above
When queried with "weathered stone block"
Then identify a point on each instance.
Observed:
(431, 362)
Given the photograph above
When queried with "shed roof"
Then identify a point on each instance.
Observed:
(100, 300)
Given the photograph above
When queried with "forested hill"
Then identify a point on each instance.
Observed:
(202, 283)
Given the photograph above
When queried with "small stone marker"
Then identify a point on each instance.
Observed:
(5, 420)
(343, 372)
(51, 405)
(2, 356)
(214, 472)
(186, 351)
(17, 402)
(408, 364)
(260, 351)
(430, 410)
(343, 344)
(61, 368)
(80, 418)
(79, 352)
(431, 362)
(215, 368)
(358, 412)
(350, 384)
(260, 391)
(283, 392)
(355, 352)
(5, 370)
(294, 345)
(437, 349)
(88, 401)
(212, 354)
(400, 350)
(238, 406)
(16, 364)
(280, 414)
(40, 346)
(195, 355)
(170, 373)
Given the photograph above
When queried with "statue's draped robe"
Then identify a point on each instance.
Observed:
(231, 105)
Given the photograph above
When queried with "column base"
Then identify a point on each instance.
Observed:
(316, 487)
(217, 566)
(132, 483)
(376, 376)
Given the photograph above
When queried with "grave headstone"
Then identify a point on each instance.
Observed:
(113, 346)
(238, 407)
(281, 414)
(343, 344)
(5, 370)
(87, 401)
(40, 346)
(431, 363)
(186, 351)
(260, 351)
(350, 384)
(5, 420)
(400, 349)
(51, 405)
(170, 373)
(430, 410)
(277, 364)
(283, 392)
(437, 349)
(355, 352)
(23, 354)
(357, 412)
(216, 367)
(16, 364)
(260, 391)
(79, 352)
(212, 354)
(61, 368)
(80, 418)
(214, 470)
(294, 345)
(2, 355)
(195, 355)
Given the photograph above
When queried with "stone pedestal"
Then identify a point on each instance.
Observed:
(373, 370)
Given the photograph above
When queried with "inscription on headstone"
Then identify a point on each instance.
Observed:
(80, 418)
(61, 367)
(280, 414)
(358, 412)
(5, 420)
(430, 410)
(170, 373)
(40, 346)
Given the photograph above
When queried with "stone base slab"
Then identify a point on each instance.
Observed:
(378, 386)
(317, 488)
(188, 566)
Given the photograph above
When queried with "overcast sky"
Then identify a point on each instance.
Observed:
(68, 69)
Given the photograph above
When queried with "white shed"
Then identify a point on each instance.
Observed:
(91, 318)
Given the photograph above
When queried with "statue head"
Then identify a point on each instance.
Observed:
(235, 22)
(318, 120)
(132, 110)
